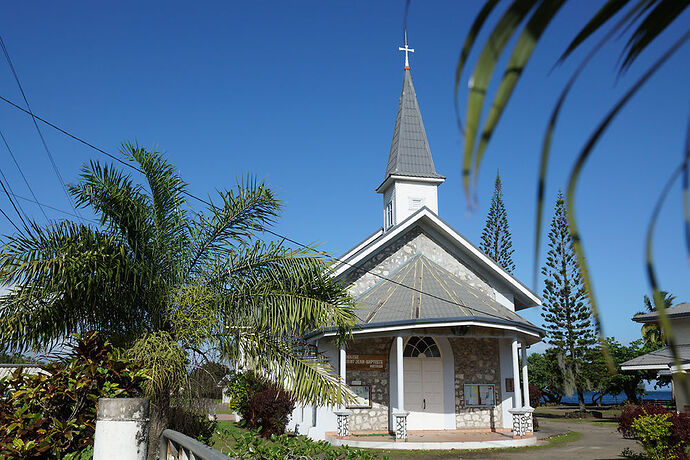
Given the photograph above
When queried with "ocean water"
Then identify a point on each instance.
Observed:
(620, 398)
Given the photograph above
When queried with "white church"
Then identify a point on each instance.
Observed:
(439, 332)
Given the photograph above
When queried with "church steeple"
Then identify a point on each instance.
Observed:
(411, 180)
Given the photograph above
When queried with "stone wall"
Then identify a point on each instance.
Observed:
(476, 362)
(375, 418)
(402, 250)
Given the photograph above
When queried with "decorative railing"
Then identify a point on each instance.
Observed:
(176, 446)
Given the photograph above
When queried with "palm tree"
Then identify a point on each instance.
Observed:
(652, 333)
(160, 278)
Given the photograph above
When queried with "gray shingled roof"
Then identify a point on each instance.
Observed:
(659, 359)
(410, 154)
(679, 311)
(448, 297)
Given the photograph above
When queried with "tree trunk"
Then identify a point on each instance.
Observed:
(581, 400)
(631, 394)
(160, 418)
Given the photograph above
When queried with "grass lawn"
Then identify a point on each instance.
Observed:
(224, 440)
(559, 414)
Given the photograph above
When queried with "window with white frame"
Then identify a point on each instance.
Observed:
(388, 215)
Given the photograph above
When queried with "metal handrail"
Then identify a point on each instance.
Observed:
(175, 445)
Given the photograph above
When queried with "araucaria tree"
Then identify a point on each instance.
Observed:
(162, 279)
(566, 314)
(496, 239)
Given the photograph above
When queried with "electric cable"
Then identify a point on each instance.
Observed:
(40, 134)
(16, 163)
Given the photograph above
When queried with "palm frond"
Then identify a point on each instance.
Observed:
(479, 82)
(248, 209)
(121, 204)
(518, 60)
(603, 14)
(660, 300)
(601, 17)
(575, 174)
(477, 25)
(289, 363)
(66, 278)
(658, 20)
(168, 204)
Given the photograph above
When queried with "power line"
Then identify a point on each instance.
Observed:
(12, 192)
(51, 207)
(40, 134)
(9, 197)
(208, 203)
(22, 174)
(11, 222)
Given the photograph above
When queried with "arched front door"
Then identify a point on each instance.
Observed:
(423, 381)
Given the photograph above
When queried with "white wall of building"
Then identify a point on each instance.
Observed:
(408, 196)
(681, 330)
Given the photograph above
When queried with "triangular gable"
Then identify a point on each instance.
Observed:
(360, 254)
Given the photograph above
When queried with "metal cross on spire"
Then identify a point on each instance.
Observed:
(407, 50)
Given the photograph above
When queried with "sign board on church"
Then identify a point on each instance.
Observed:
(479, 395)
(366, 362)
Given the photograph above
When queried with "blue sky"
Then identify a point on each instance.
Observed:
(303, 95)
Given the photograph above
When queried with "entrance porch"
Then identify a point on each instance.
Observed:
(434, 440)
(435, 385)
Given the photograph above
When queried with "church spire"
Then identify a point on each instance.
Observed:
(409, 159)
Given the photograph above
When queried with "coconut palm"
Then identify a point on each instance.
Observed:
(652, 333)
(160, 278)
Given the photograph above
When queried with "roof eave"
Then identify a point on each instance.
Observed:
(529, 329)
(393, 177)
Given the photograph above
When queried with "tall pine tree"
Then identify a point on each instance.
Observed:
(496, 239)
(566, 314)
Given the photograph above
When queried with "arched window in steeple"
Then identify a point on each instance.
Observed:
(421, 346)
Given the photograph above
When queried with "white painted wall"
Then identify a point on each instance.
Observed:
(503, 295)
(506, 367)
(681, 330)
(324, 420)
(401, 192)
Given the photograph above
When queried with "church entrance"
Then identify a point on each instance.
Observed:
(423, 377)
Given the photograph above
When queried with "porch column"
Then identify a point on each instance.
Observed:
(343, 414)
(517, 400)
(400, 414)
(400, 376)
(342, 364)
(525, 381)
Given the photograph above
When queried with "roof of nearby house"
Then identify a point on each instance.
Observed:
(410, 154)
(7, 369)
(435, 293)
(659, 359)
(679, 311)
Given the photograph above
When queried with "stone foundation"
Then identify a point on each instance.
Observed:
(376, 418)
(476, 362)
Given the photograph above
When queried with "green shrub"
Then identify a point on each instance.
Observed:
(654, 432)
(194, 422)
(262, 405)
(285, 447)
(53, 415)
(241, 389)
